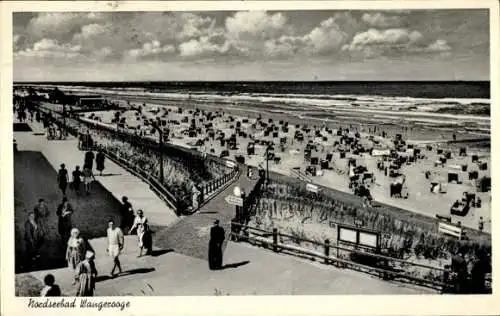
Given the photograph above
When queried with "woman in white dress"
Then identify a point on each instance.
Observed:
(141, 224)
(115, 245)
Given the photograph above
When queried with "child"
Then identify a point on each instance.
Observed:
(50, 288)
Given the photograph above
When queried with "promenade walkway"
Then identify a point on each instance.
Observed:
(115, 179)
(191, 235)
(247, 271)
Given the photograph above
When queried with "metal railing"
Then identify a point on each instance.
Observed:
(209, 189)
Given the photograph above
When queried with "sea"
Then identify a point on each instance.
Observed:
(445, 97)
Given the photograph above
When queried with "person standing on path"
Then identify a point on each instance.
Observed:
(63, 179)
(77, 180)
(75, 252)
(217, 236)
(115, 246)
(41, 213)
(127, 214)
(143, 232)
(64, 211)
(34, 238)
(51, 289)
(86, 274)
(89, 159)
(99, 161)
(88, 177)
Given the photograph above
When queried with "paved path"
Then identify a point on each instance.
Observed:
(190, 236)
(248, 271)
(115, 179)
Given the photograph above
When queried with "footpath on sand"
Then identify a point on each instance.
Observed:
(118, 181)
(191, 235)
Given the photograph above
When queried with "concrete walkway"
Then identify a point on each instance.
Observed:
(247, 271)
(115, 179)
(190, 236)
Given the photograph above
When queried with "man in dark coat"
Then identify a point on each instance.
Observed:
(89, 159)
(217, 236)
(64, 211)
(459, 267)
(99, 160)
(127, 214)
(62, 179)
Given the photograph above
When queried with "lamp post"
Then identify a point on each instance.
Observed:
(268, 148)
(160, 133)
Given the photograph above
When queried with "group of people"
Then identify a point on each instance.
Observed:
(86, 174)
(79, 254)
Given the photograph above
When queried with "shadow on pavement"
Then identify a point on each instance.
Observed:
(109, 174)
(101, 278)
(157, 253)
(234, 265)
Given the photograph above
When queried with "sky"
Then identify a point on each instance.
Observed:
(252, 45)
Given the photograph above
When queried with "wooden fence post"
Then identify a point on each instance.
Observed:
(275, 239)
(327, 251)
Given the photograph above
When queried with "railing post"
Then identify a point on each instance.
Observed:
(327, 251)
(275, 239)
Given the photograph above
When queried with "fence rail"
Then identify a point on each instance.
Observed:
(208, 190)
(385, 269)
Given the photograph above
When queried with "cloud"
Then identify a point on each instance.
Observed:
(381, 20)
(375, 42)
(327, 37)
(50, 48)
(150, 50)
(255, 24)
(61, 25)
(438, 46)
(93, 30)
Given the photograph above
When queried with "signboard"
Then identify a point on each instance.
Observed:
(358, 236)
(368, 239)
(312, 188)
(381, 152)
(234, 200)
(450, 229)
(348, 235)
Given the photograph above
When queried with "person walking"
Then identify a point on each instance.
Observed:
(75, 252)
(89, 159)
(99, 161)
(217, 236)
(63, 179)
(50, 289)
(88, 177)
(86, 274)
(115, 245)
(143, 233)
(34, 239)
(77, 180)
(64, 211)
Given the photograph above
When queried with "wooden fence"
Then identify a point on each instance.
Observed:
(382, 266)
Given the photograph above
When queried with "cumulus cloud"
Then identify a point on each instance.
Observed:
(376, 42)
(327, 37)
(438, 46)
(149, 50)
(381, 20)
(61, 25)
(255, 24)
(48, 48)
